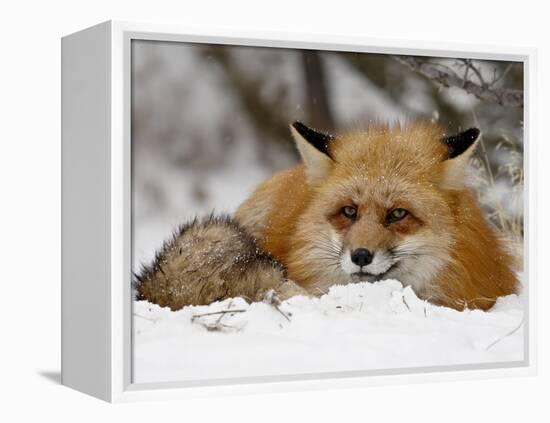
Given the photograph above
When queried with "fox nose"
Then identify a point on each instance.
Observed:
(361, 256)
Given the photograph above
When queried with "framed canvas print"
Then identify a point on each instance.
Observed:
(249, 212)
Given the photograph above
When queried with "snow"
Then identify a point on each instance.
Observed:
(360, 326)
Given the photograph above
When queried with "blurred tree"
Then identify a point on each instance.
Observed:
(317, 94)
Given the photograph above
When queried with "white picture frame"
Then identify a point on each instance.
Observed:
(96, 210)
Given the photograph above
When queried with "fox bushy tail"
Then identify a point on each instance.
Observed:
(211, 259)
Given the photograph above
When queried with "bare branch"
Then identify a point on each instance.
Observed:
(217, 325)
(469, 64)
(274, 301)
(405, 302)
(510, 333)
(501, 76)
(445, 76)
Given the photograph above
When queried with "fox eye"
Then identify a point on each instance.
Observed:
(350, 212)
(396, 215)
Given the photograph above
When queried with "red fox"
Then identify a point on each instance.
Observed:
(379, 203)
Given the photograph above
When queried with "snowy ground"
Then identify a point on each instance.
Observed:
(355, 327)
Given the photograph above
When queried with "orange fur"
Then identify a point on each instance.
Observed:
(444, 248)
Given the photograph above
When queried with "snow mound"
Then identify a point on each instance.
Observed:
(360, 326)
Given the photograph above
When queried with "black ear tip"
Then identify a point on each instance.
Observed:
(308, 132)
(472, 133)
(299, 126)
(319, 140)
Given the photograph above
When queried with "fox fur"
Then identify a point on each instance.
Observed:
(210, 260)
(396, 193)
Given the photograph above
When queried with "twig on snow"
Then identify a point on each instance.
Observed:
(221, 312)
(405, 302)
(217, 325)
(273, 300)
(146, 318)
(496, 341)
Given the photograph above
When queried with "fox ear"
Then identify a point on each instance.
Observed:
(461, 143)
(460, 148)
(313, 147)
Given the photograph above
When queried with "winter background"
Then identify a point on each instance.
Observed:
(209, 123)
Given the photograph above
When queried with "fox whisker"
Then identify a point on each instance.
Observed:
(327, 246)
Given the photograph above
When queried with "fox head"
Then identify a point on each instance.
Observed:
(383, 203)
